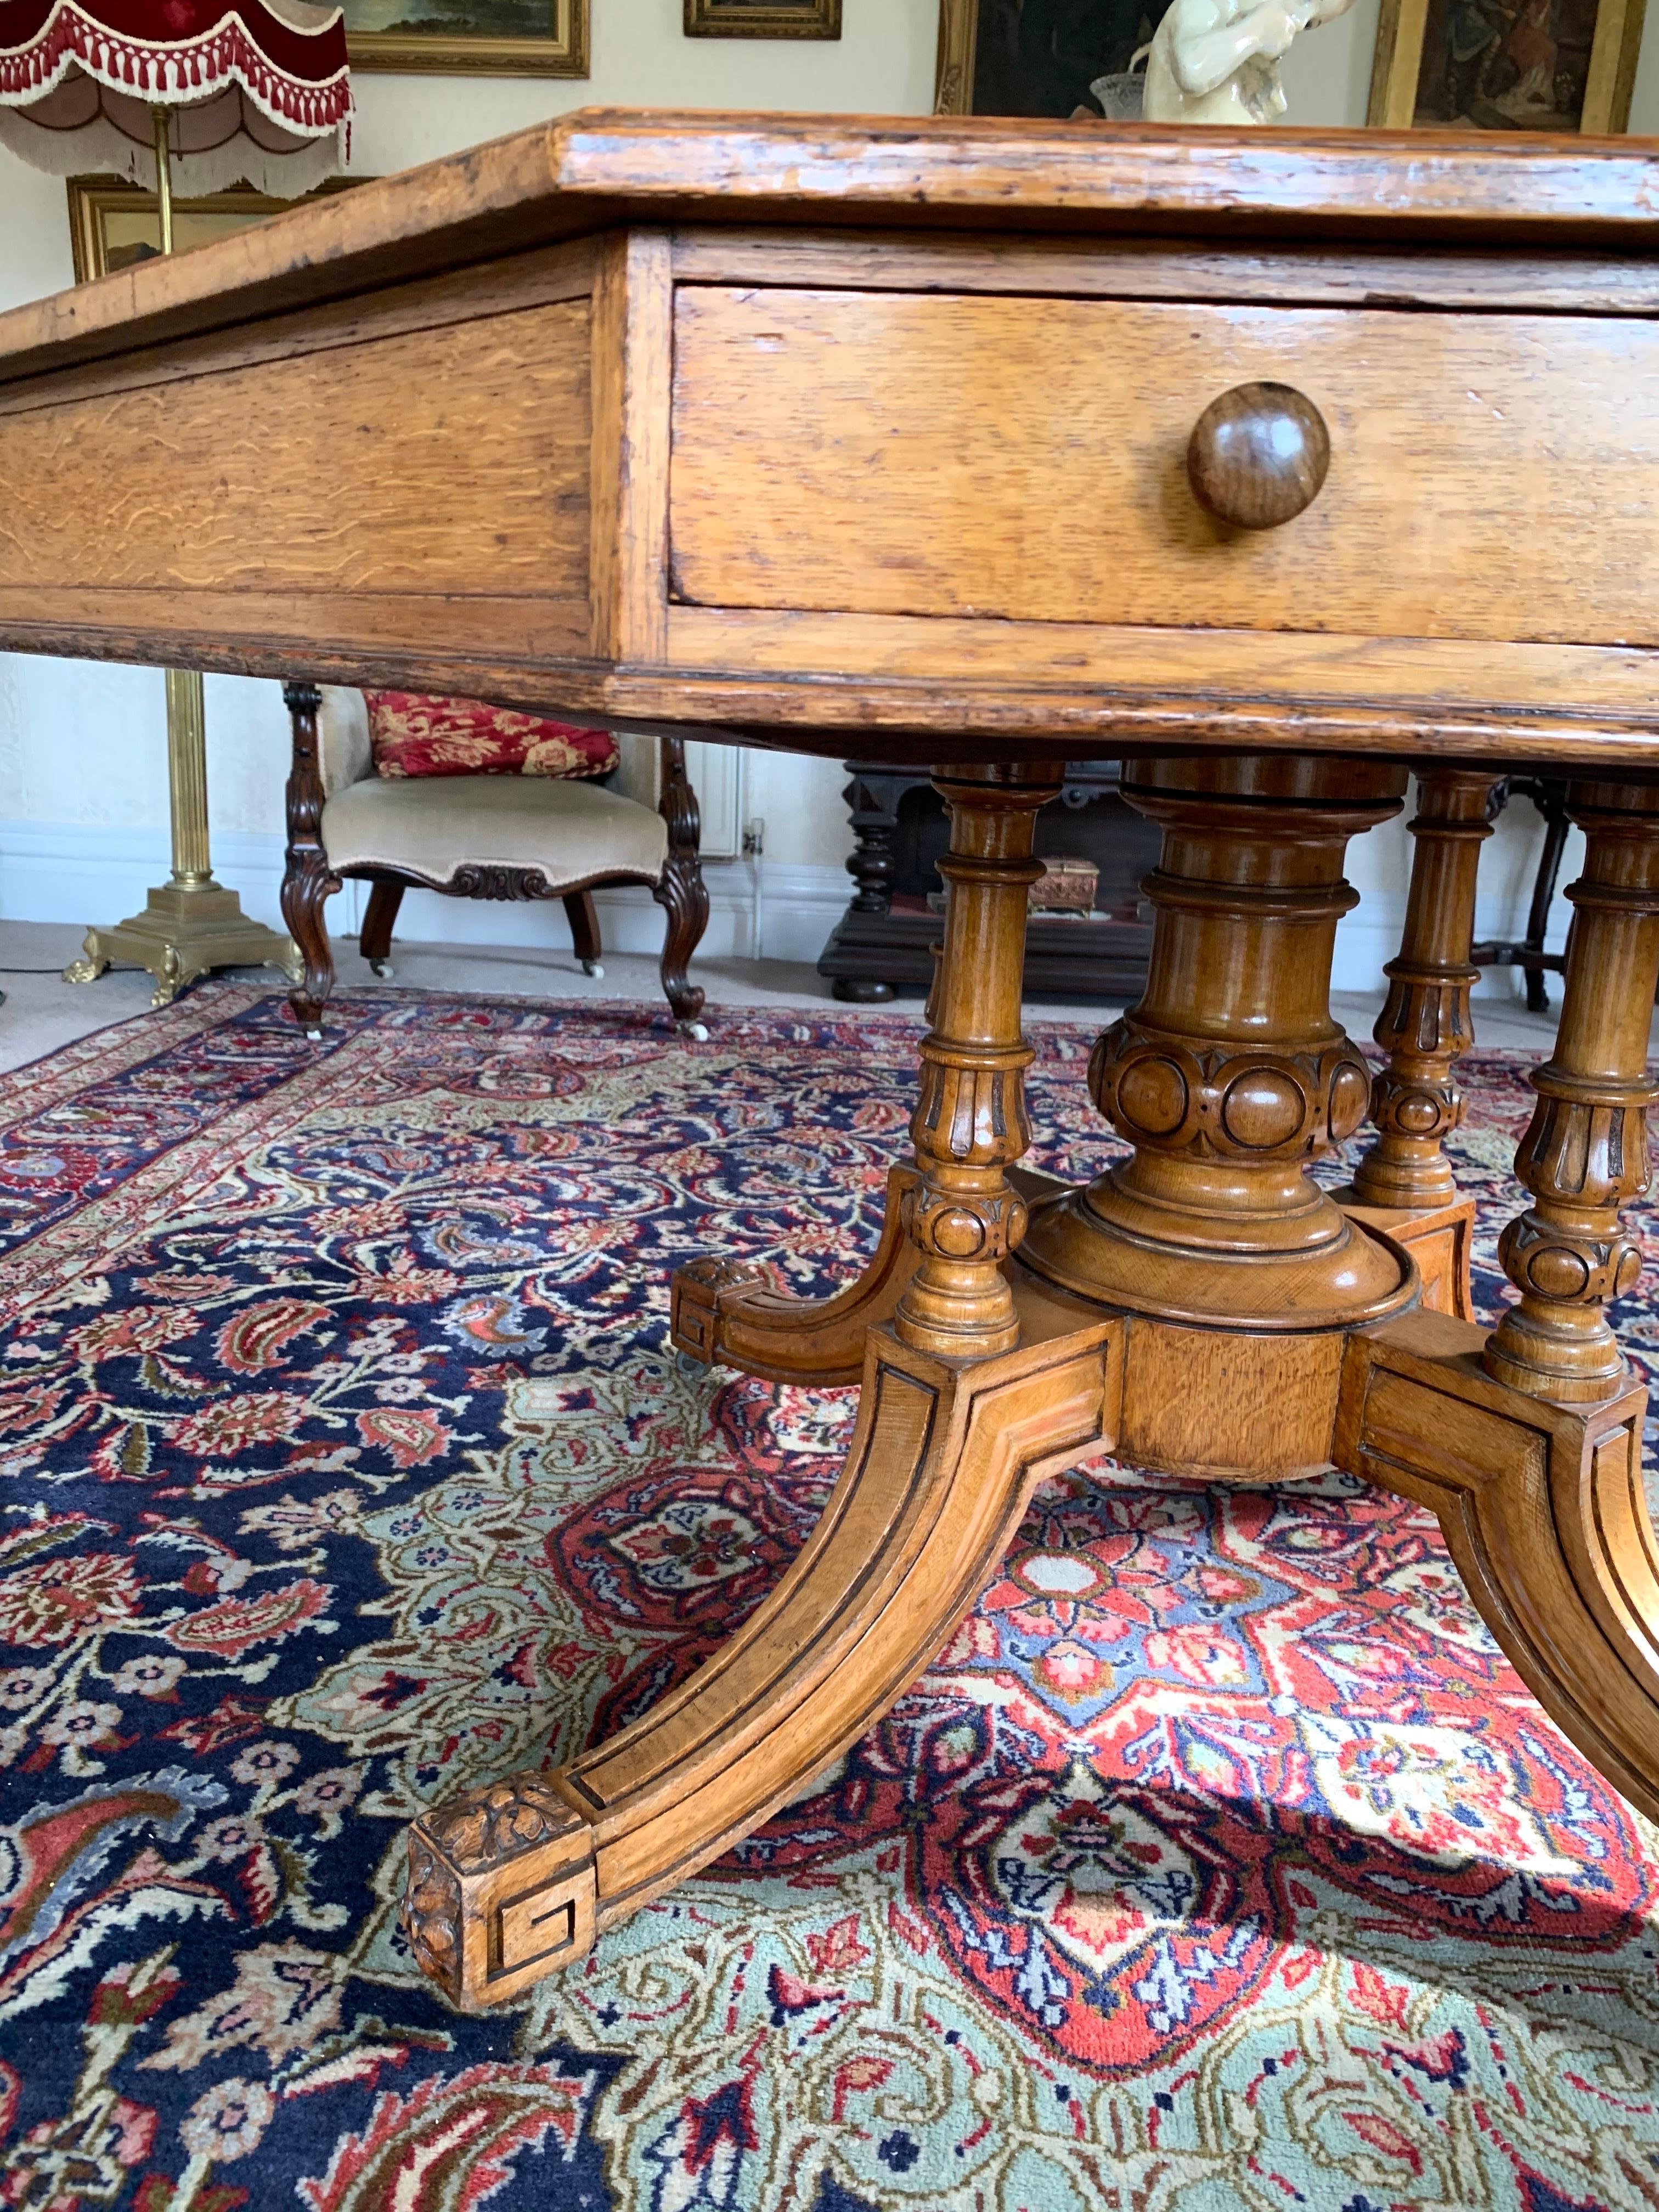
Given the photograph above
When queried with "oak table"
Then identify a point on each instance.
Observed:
(1271, 463)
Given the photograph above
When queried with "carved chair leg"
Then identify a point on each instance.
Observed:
(723, 1311)
(1551, 804)
(682, 892)
(583, 917)
(308, 880)
(374, 939)
(1584, 1155)
(512, 1882)
(1543, 1511)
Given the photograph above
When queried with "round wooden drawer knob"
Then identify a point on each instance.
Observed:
(1258, 455)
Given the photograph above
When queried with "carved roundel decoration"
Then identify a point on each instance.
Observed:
(957, 1234)
(1263, 1109)
(1418, 1113)
(1556, 1271)
(1350, 1099)
(1152, 1095)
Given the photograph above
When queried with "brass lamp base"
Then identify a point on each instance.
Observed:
(184, 931)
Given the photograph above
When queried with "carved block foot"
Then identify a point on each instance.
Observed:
(501, 1889)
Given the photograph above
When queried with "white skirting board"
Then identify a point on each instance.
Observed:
(758, 909)
(67, 872)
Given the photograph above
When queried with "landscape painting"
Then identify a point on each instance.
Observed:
(495, 37)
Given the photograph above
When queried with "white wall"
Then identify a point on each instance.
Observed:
(82, 760)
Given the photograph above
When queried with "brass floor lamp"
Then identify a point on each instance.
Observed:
(190, 924)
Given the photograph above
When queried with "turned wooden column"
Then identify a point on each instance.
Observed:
(1230, 1076)
(1425, 1026)
(1585, 1154)
(970, 1125)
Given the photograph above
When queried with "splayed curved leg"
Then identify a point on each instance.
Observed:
(975, 1388)
(1543, 1511)
(509, 1883)
(1528, 1444)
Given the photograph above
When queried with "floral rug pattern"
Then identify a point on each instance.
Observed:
(1220, 1862)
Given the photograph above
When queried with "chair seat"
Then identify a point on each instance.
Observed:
(434, 827)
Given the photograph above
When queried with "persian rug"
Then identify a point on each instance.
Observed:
(1221, 1862)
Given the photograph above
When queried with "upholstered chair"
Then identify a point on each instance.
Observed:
(495, 836)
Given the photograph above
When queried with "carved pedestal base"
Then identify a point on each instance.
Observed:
(1202, 1306)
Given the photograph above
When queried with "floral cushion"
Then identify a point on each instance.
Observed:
(414, 735)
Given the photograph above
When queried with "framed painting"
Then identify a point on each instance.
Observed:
(113, 224)
(763, 19)
(1506, 64)
(1035, 56)
(469, 38)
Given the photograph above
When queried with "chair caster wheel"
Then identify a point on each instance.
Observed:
(697, 1031)
(595, 967)
(381, 968)
(689, 1365)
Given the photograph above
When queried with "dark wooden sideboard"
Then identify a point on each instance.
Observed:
(883, 943)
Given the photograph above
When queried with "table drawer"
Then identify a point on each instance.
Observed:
(1492, 476)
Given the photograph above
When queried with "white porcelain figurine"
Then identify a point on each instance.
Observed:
(1217, 61)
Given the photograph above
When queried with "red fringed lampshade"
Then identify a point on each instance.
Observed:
(257, 90)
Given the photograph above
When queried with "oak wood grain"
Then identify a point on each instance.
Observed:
(1544, 280)
(183, 488)
(633, 344)
(460, 295)
(1022, 460)
(598, 166)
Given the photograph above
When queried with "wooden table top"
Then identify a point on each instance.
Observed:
(865, 434)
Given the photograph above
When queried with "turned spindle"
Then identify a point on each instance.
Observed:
(1424, 1024)
(970, 1125)
(1584, 1155)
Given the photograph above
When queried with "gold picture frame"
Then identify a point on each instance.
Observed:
(986, 65)
(953, 67)
(499, 46)
(114, 223)
(763, 19)
(1498, 88)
